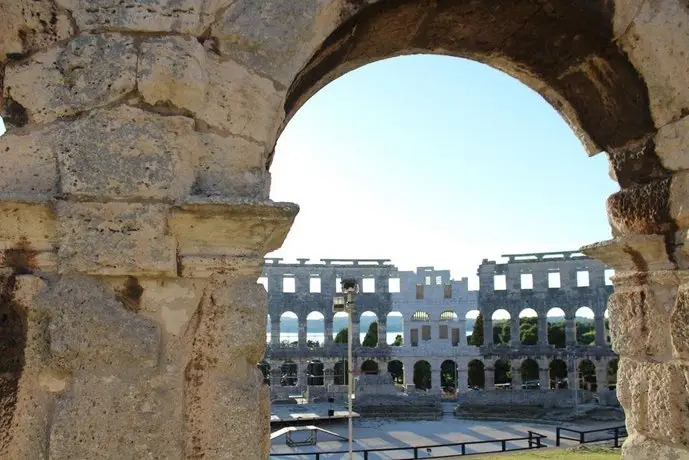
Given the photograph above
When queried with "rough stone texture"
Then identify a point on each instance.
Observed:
(29, 26)
(90, 71)
(127, 153)
(29, 167)
(657, 42)
(102, 238)
(183, 16)
(616, 70)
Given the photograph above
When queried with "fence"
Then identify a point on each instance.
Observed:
(534, 441)
(615, 434)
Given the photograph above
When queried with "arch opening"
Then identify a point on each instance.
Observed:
(422, 375)
(476, 376)
(557, 336)
(530, 374)
(395, 329)
(474, 328)
(340, 327)
(448, 376)
(315, 329)
(289, 373)
(396, 370)
(503, 374)
(369, 367)
(289, 329)
(558, 374)
(341, 373)
(502, 330)
(528, 327)
(585, 327)
(315, 373)
(368, 329)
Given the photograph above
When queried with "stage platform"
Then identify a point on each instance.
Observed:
(306, 414)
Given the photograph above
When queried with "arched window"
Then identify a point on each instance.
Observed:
(420, 316)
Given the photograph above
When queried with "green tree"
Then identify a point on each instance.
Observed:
(556, 334)
(475, 371)
(396, 369)
(422, 375)
(586, 333)
(529, 370)
(503, 372)
(342, 336)
(371, 337)
(501, 332)
(528, 330)
(398, 341)
(476, 337)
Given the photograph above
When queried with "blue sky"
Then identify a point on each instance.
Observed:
(434, 160)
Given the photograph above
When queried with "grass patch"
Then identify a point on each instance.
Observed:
(587, 453)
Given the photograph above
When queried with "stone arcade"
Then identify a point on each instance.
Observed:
(135, 212)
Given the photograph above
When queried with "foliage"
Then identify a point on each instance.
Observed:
(315, 373)
(264, 366)
(529, 370)
(448, 374)
(396, 369)
(422, 375)
(342, 336)
(398, 341)
(503, 372)
(341, 373)
(371, 337)
(476, 375)
(476, 337)
(369, 367)
(313, 343)
(528, 330)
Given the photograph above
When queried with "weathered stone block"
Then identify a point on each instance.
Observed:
(678, 324)
(90, 71)
(654, 41)
(636, 314)
(241, 103)
(127, 153)
(115, 239)
(275, 38)
(171, 302)
(29, 167)
(672, 145)
(232, 166)
(639, 447)
(172, 71)
(91, 330)
(27, 236)
(183, 16)
(110, 417)
(27, 26)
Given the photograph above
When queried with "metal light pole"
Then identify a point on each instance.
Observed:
(347, 304)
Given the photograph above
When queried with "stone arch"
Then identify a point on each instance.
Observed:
(474, 322)
(369, 367)
(502, 372)
(315, 329)
(448, 375)
(289, 328)
(422, 375)
(585, 326)
(396, 370)
(315, 371)
(340, 321)
(528, 326)
(290, 372)
(587, 375)
(368, 330)
(502, 333)
(557, 335)
(341, 372)
(476, 377)
(557, 371)
(529, 372)
(420, 316)
(394, 328)
(448, 315)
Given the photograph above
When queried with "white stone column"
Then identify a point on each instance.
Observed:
(543, 329)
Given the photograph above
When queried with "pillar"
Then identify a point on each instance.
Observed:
(516, 374)
(275, 332)
(275, 375)
(436, 382)
(487, 331)
(329, 377)
(601, 376)
(462, 381)
(600, 331)
(151, 224)
(328, 330)
(489, 378)
(301, 336)
(356, 340)
(544, 377)
(570, 329)
(408, 373)
(543, 329)
(302, 374)
(515, 338)
(382, 331)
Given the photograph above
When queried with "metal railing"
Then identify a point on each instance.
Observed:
(615, 434)
(534, 440)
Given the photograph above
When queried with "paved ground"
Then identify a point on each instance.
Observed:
(378, 433)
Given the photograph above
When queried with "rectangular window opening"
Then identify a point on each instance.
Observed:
(368, 285)
(419, 291)
(499, 282)
(338, 285)
(289, 285)
(425, 333)
(455, 337)
(583, 278)
(447, 293)
(394, 285)
(414, 337)
(609, 273)
(428, 280)
(315, 284)
(527, 280)
(442, 331)
(554, 280)
(438, 280)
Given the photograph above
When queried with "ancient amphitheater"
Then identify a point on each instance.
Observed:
(434, 310)
(135, 211)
